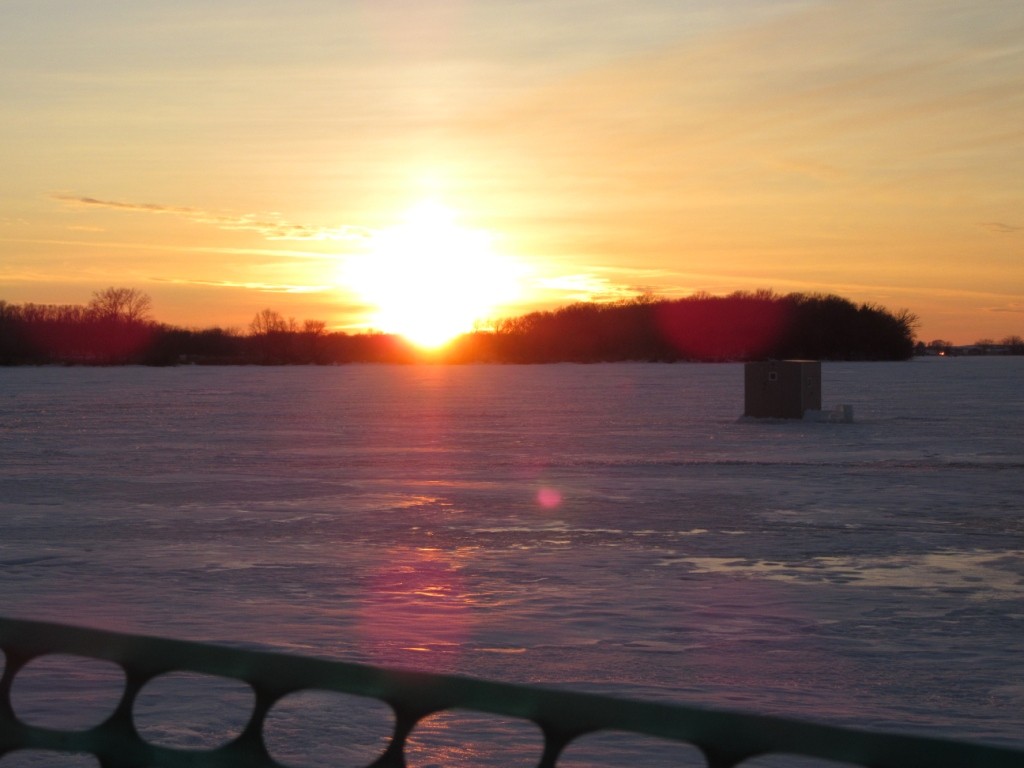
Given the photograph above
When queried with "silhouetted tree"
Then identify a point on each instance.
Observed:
(119, 326)
(741, 326)
(269, 321)
(120, 304)
(311, 346)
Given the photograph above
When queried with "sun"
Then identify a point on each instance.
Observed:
(430, 279)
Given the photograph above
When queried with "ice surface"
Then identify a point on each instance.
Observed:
(613, 528)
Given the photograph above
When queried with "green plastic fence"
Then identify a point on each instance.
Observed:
(725, 738)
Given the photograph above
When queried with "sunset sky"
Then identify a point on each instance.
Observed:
(225, 157)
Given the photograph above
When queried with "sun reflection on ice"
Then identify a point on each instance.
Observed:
(414, 602)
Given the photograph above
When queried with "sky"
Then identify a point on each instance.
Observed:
(233, 156)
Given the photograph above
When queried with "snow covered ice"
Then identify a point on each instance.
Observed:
(613, 528)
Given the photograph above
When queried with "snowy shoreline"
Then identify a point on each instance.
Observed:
(609, 528)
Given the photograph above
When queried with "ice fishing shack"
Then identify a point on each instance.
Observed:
(782, 389)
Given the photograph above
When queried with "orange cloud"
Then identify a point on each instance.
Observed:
(270, 225)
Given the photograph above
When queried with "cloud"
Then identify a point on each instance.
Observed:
(890, 99)
(587, 287)
(1001, 227)
(249, 285)
(271, 226)
(1013, 307)
(111, 245)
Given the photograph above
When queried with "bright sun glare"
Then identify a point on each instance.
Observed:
(430, 279)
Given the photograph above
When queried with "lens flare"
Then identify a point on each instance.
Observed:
(549, 498)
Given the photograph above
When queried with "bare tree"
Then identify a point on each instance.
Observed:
(269, 321)
(128, 304)
(314, 327)
(907, 320)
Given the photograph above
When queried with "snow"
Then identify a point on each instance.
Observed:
(613, 528)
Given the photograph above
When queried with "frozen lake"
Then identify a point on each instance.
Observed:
(612, 528)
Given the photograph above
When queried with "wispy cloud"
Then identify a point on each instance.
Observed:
(1001, 227)
(248, 285)
(133, 246)
(1014, 307)
(271, 226)
(587, 287)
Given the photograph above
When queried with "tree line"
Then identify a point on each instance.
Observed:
(1008, 345)
(116, 327)
(702, 327)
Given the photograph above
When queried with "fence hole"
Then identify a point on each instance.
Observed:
(792, 761)
(189, 710)
(622, 748)
(42, 758)
(459, 739)
(317, 729)
(65, 692)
